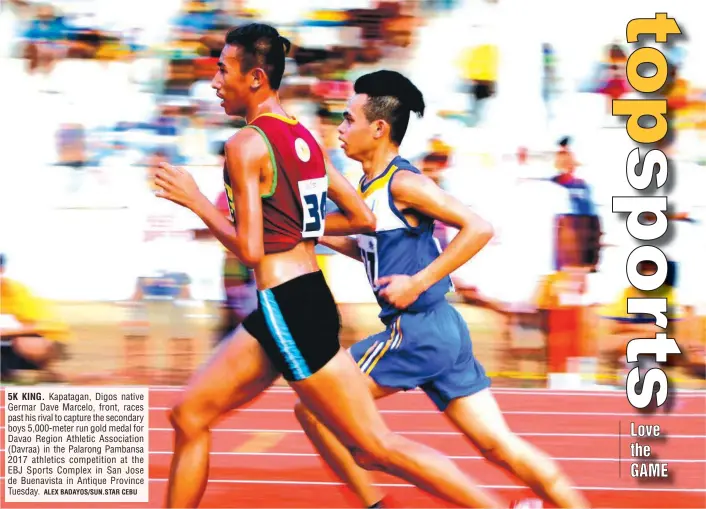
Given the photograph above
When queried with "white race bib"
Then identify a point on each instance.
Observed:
(368, 246)
(313, 194)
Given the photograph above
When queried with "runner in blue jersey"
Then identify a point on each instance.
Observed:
(426, 342)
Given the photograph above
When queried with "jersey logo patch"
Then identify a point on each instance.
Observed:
(302, 149)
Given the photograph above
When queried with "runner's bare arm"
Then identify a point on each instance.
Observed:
(354, 215)
(247, 152)
(420, 193)
(344, 245)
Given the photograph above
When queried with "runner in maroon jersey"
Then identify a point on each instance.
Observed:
(277, 184)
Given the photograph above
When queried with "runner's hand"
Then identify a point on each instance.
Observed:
(176, 185)
(399, 290)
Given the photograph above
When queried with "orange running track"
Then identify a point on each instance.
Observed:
(261, 458)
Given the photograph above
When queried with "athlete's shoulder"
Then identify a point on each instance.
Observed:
(276, 122)
(245, 146)
(244, 137)
(403, 164)
(406, 176)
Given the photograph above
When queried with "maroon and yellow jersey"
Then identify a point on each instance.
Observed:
(295, 207)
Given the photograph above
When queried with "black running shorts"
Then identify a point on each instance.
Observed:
(297, 323)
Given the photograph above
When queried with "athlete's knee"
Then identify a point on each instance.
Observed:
(510, 451)
(304, 416)
(186, 419)
(501, 448)
(380, 451)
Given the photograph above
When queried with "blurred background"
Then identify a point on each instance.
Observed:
(102, 281)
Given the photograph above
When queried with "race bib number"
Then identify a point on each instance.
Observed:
(313, 194)
(369, 253)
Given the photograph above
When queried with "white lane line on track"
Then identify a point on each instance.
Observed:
(610, 393)
(484, 486)
(401, 485)
(690, 393)
(436, 412)
(429, 433)
(453, 457)
(442, 433)
(506, 412)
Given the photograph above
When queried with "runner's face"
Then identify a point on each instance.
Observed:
(356, 134)
(231, 85)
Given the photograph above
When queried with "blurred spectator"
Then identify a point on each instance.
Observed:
(72, 148)
(433, 165)
(114, 150)
(168, 229)
(549, 78)
(196, 45)
(579, 190)
(45, 41)
(613, 85)
(625, 326)
(616, 55)
(73, 152)
(180, 75)
(436, 161)
(579, 229)
(480, 70)
(677, 92)
(31, 334)
(439, 5)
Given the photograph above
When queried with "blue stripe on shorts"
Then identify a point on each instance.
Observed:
(282, 336)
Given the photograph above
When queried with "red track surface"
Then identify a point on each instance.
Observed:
(261, 458)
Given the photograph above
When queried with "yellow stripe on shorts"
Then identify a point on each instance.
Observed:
(379, 356)
(398, 340)
(388, 344)
(362, 359)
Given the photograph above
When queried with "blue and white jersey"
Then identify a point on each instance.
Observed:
(397, 247)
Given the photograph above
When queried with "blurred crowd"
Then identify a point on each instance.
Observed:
(127, 85)
(172, 63)
(174, 68)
